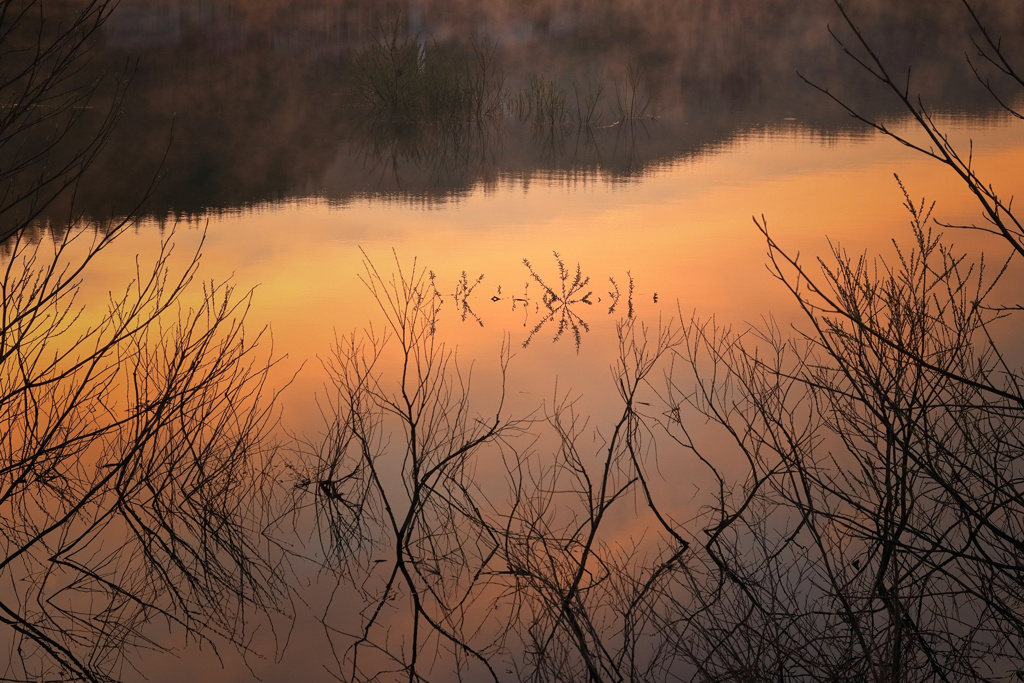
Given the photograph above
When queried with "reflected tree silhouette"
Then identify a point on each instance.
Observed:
(560, 304)
(557, 305)
(861, 477)
(393, 484)
(877, 534)
(428, 106)
(48, 134)
(470, 548)
(136, 469)
(443, 109)
(588, 597)
(860, 521)
(572, 123)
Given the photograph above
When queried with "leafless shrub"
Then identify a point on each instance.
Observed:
(135, 455)
(136, 472)
(876, 534)
(394, 485)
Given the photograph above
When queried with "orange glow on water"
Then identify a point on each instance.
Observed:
(684, 233)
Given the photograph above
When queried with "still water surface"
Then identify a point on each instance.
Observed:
(657, 212)
(683, 231)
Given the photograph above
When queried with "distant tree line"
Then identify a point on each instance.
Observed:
(265, 98)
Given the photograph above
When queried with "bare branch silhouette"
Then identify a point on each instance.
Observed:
(394, 480)
(136, 467)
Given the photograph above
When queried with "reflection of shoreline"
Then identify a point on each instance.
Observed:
(257, 96)
(342, 187)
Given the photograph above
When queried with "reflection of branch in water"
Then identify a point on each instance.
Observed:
(567, 320)
(463, 290)
(556, 303)
(569, 290)
(559, 305)
(629, 313)
(626, 148)
(616, 295)
(520, 301)
(401, 153)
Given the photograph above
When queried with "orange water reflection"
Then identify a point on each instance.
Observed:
(683, 232)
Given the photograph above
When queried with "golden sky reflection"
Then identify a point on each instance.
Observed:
(684, 232)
